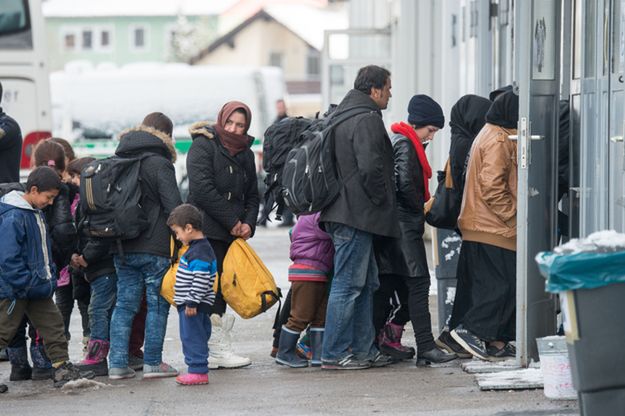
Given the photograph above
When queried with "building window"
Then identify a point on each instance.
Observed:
(464, 24)
(69, 41)
(87, 39)
(504, 7)
(313, 63)
(105, 39)
(138, 37)
(275, 59)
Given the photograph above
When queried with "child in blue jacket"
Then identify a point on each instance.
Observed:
(28, 279)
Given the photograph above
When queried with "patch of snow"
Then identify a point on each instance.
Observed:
(528, 378)
(83, 383)
(600, 241)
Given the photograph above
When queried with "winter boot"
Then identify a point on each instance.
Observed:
(286, 351)
(389, 342)
(95, 360)
(316, 345)
(20, 368)
(4, 356)
(220, 345)
(42, 367)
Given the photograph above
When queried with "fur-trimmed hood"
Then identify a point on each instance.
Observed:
(202, 128)
(144, 139)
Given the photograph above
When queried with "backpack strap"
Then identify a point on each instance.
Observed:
(337, 118)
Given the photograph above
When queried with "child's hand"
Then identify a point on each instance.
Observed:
(189, 311)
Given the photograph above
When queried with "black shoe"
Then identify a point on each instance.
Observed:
(43, 373)
(3, 388)
(381, 360)
(348, 363)
(4, 355)
(470, 342)
(20, 373)
(434, 356)
(446, 342)
(507, 352)
(68, 372)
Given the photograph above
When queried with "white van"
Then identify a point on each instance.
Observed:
(24, 71)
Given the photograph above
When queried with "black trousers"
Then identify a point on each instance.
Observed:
(220, 248)
(489, 273)
(415, 293)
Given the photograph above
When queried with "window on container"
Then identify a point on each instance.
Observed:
(313, 63)
(473, 24)
(454, 30)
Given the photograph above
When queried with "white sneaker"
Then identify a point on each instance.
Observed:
(220, 345)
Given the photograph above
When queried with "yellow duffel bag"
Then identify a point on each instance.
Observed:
(245, 283)
(169, 280)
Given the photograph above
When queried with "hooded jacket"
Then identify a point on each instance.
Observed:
(310, 245)
(222, 186)
(364, 161)
(10, 148)
(159, 190)
(26, 267)
(489, 203)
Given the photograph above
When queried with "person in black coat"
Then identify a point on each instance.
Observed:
(145, 259)
(223, 185)
(403, 262)
(364, 209)
(10, 147)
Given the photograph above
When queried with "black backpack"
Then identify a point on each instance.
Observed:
(310, 180)
(110, 196)
(279, 139)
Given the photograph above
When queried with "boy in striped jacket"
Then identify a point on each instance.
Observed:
(194, 296)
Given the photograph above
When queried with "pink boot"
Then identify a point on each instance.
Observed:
(95, 360)
(192, 379)
(389, 342)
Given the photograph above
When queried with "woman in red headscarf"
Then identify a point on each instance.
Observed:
(222, 184)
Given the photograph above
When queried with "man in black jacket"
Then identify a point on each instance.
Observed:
(10, 147)
(365, 208)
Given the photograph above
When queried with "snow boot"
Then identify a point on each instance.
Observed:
(95, 360)
(42, 367)
(316, 345)
(389, 342)
(286, 351)
(220, 345)
(20, 368)
(4, 356)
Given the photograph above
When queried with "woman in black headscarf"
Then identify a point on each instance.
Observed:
(468, 116)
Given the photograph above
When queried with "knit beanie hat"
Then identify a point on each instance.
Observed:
(424, 111)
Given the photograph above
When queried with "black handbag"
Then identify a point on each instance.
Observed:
(443, 209)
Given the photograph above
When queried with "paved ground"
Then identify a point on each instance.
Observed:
(265, 388)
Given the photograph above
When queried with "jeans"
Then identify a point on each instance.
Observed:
(195, 331)
(137, 273)
(103, 292)
(349, 318)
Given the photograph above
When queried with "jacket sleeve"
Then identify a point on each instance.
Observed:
(458, 152)
(368, 147)
(96, 249)
(203, 278)
(406, 170)
(10, 134)
(12, 264)
(168, 192)
(493, 181)
(202, 184)
(62, 229)
(252, 198)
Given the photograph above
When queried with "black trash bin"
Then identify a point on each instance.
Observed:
(447, 252)
(591, 284)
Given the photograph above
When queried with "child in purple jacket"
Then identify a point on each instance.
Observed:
(312, 253)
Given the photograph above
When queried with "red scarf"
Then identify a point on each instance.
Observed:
(407, 130)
